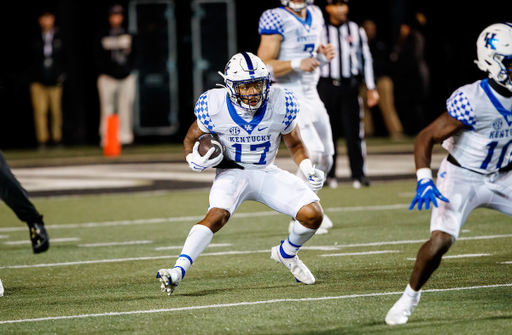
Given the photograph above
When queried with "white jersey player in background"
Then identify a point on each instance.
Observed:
(291, 47)
(250, 118)
(476, 130)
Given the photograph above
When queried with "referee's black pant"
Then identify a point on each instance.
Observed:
(341, 99)
(15, 196)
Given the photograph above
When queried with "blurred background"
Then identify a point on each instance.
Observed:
(184, 43)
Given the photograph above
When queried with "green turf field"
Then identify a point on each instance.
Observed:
(84, 285)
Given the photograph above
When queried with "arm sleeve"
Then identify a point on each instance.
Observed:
(292, 109)
(459, 108)
(368, 60)
(271, 23)
(204, 121)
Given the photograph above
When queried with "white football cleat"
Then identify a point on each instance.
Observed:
(402, 309)
(1, 289)
(295, 265)
(170, 279)
(326, 223)
(319, 231)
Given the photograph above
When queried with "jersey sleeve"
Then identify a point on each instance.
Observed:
(459, 108)
(292, 109)
(271, 23)
(201, 110)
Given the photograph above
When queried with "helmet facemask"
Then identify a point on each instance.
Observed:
(247, 80)
(505, 63)
(296, 6)
(250, 94)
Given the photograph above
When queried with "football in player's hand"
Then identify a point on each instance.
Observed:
(208, 141)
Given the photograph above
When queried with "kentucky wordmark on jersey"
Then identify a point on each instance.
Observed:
(251, 140)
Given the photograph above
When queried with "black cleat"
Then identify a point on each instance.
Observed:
(39, 237)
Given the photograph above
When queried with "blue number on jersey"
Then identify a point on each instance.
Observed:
(254, 147)
(490, 153)
(310, 48)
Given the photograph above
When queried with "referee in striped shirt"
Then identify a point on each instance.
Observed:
(339, 87)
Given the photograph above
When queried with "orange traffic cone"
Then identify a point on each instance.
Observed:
(112, 146)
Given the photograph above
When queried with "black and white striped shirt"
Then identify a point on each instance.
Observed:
(352, 53)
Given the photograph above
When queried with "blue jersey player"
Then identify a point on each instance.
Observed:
(250, 119)
(476, 130)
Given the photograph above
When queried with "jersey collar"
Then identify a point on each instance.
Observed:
(247, 126)
(307, 22)
(507, 115)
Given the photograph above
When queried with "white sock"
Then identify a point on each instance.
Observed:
(198, 239)
(409, 292)
(296, 239)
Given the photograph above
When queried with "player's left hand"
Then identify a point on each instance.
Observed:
(426, 191)
(316, 179)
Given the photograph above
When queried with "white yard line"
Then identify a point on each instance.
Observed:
(4, 236)
(198, 218)
(361, 253)
(248, 303)
(92, 245)
(458, 256)
(53, 240)
(509, 262)
(213, 245)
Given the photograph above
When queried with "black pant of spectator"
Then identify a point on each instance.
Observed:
(15, 196)
(341, 99)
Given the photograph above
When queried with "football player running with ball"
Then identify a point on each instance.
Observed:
(250, 118)
(476, 130)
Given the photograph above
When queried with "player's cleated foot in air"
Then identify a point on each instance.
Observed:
(319, 231)
(402, 309)
(39, 237)
(295, 265)
(170, 279)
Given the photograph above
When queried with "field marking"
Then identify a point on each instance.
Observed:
(109, 244)
(248, 303)
(224, 253)
(4, 236)
(458, 256)
(198, 218)
(361, 253)
(213, 245)
(53, 240)
(509, 262)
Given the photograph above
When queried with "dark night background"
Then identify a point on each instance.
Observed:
(451, 32)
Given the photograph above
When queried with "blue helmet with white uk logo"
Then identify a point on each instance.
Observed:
(296, 6)
(243, 70)
(494, 51)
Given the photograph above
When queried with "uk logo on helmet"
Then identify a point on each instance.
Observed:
(490, 41)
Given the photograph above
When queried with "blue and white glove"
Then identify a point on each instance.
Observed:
(200, 163)
(426, 190)
(315, 176)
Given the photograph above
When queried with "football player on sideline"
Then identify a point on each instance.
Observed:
(250, 118)
(476, 130)
(291, 47)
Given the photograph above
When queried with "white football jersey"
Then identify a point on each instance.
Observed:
(301, 39)
(485, 146)
(252, 141)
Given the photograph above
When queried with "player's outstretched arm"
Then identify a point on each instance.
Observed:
(439, 130)
(300, 156)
